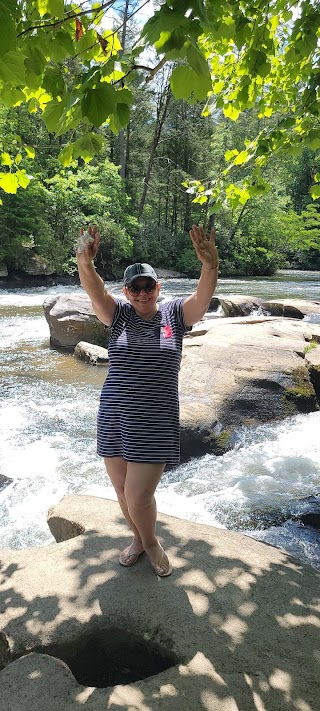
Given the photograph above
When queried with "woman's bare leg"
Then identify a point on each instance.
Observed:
(140, 484)
(117, 470)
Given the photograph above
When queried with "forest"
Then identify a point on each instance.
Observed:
(147, 173)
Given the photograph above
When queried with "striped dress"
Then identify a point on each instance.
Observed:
(138, 417)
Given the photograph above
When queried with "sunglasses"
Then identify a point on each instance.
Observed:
(135, 290)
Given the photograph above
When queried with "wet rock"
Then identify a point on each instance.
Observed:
(4, 481)
(243, 371)
(291, 308)
(71, 319)
(312, 358)
(311, 519)
(95, 355)
(238, 305)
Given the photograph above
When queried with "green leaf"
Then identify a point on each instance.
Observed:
(186, 84)
(33, 105)
(200, 199)
(8, 36)
(52, 115)
(119, 118)
(313, 140)
(6, 159)
(23, 179)
(231, 154)
(35, 61)
(88, 146)
(215, 208)
(12, 68)
(197, 60)
(124, 96)
(43, 7)
(30, 151)
(231, 112)
(66, 155)
(12, 97)
(54, 82)
(9, 182)
(56, 8)
(241, 158)
(227, 28)
(315, 192)
(99, 103)
(61, 46)
(164, 20)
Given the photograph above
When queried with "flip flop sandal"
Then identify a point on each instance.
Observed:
(162, 569)
(128, 559)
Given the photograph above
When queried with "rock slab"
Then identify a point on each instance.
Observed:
(238, 620)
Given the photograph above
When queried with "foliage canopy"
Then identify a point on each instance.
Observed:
(56, 58)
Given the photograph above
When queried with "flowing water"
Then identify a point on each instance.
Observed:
(47, 437)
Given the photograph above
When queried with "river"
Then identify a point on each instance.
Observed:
(47, 429)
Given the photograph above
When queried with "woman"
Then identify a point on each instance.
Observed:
(138, 419)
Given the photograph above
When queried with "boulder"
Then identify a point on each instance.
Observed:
(231, 629)
(35, 265)
(71, 319)
(292, 308)
(95, 355)
(242, 371)
(238, 305)
(169, 273)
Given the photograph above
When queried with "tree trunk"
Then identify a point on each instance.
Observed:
(235, 227)
(162, 109)
(174, 212)
(122, 142)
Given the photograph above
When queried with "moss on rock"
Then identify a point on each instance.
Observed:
(301, 394)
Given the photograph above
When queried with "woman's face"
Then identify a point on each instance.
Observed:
(142, 295)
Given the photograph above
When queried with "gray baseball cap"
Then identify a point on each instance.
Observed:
(134, 271)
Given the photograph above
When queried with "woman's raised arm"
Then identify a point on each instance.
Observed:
(103, 303)
(197, 304)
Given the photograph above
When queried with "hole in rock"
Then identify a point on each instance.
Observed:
(113, 656)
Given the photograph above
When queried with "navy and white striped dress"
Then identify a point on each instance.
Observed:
(138, 417)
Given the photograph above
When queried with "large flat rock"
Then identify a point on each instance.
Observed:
(242, 371)
(238, 621)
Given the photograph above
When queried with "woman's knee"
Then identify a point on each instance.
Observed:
(138, 500)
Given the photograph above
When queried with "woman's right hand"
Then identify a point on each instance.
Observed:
(89, 250)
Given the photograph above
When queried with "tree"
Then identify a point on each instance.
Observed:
(235, 55)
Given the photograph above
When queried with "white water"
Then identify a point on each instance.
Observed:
(47, 442)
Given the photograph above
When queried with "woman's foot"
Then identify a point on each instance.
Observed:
(130, 555)
(159, 561)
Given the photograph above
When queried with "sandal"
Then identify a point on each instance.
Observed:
(128, 559)
(164, 567)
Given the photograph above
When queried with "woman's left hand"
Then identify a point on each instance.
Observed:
(205, 248)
